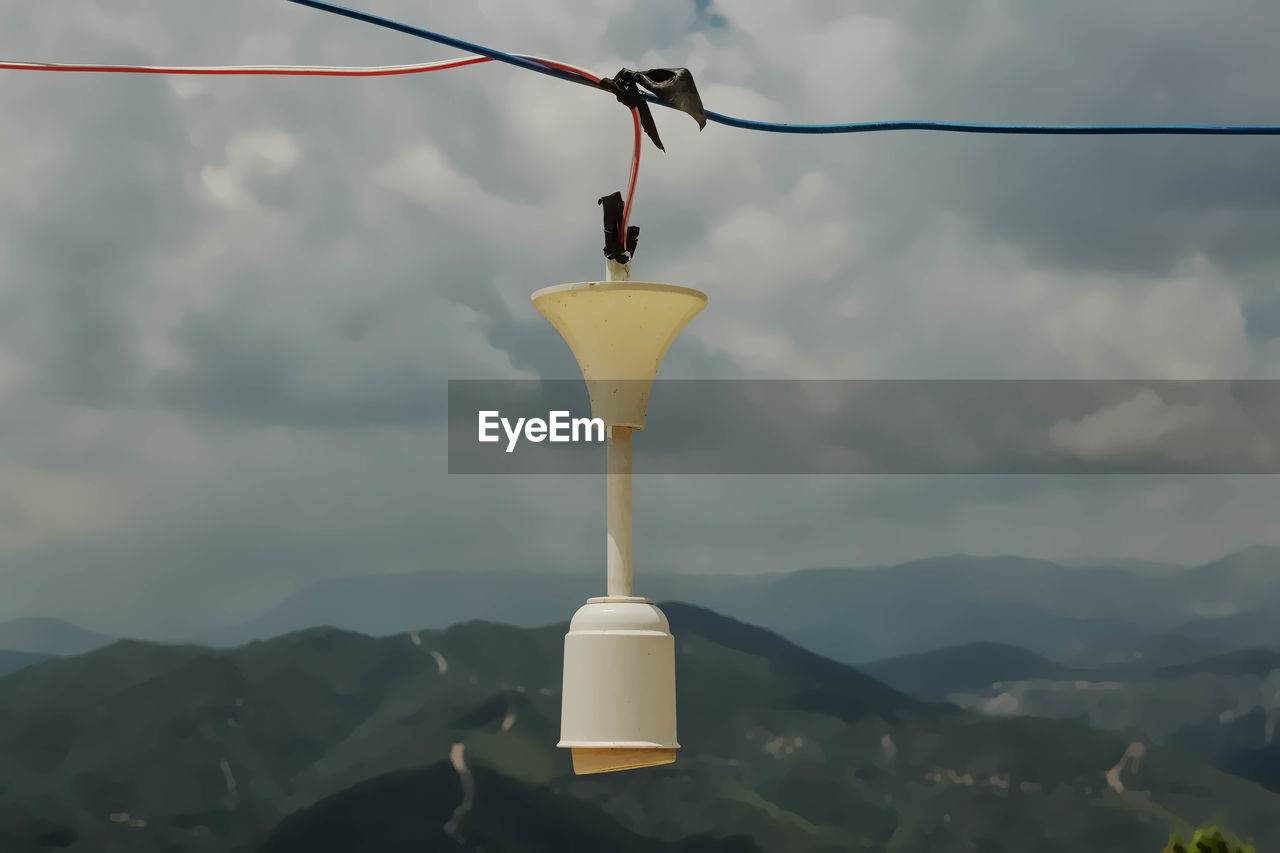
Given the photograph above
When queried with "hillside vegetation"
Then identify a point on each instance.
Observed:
(143, 747)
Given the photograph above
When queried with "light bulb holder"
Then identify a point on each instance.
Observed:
(618, 703)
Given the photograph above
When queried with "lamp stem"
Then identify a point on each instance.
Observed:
(618, 511)
(614, 271)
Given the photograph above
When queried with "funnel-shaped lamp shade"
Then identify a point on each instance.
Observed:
(619, 332)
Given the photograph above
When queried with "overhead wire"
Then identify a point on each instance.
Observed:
(1016, 129)
(439, 38)
(573, 74)
(256, 70)
(845, 127)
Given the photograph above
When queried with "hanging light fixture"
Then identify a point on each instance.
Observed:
(618, 703)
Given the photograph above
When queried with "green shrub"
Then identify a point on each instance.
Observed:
(1209, 840)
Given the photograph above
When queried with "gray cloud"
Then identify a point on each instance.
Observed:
(229, 308)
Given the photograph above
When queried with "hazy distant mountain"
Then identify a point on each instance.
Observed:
(1145, 651)
(968, 667)
(1187, 643)
(14, 661)
(1084, 616)
(1247, 628)
(1248, 580)
(379, 605)
(49, 637)
(1150, 568)
(1050, 609)
(145, 747)
(1260, 662)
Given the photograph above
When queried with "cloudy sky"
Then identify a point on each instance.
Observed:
(229, 307)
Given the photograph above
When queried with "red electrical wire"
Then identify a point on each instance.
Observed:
(323, 71)
(635, 156)
(257, 70)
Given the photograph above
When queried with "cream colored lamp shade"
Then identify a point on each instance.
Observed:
(619, 332)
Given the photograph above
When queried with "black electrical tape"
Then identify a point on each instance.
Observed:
(672, 86)
(613, 248)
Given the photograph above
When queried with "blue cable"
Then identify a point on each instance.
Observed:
(1023, 129)
(854, 127)
(446, 40)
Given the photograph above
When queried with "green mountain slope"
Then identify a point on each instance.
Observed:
(410, 811)
(955, 668)
(1245, 745)
(143, 748)
(14, 661)
(1223, 709)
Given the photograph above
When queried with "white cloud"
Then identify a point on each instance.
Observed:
(248, 156)
(1133, 426)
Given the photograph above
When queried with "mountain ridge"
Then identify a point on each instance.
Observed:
(46, 635)
(14, 661)
(954, 668)
(211, 749)
(857, 615)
